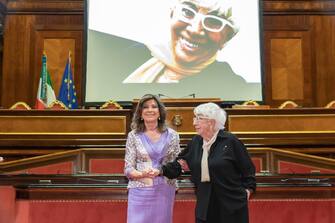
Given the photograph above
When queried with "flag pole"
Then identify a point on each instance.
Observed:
(44, 78)
(67, 93)
(68, 77)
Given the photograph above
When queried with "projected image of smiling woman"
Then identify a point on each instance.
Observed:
(199, 29)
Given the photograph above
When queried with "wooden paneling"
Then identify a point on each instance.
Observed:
(2, 25)
(307, 74)
(293, 123)
(36, 132)
(298, 7)
(62, 129)
(105, 160)
(56, 54)
(57, 41)
(82, 160)
(289, 60)
(16, 62)
(32, 27)
(181, 119)
(301, 130)
(287, 69)
(62, 125)
(324, 36)
(298, 48)
(44, 6)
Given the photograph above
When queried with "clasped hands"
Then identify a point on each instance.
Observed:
(150, 172)
(183, 165)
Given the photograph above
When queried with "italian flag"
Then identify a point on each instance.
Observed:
(45, 92)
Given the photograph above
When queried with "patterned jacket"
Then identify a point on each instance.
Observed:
(137, 157)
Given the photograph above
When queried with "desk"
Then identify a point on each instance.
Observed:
(37, 132)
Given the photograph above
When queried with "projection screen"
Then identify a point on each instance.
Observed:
(164, 47)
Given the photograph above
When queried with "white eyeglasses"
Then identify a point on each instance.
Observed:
(199, 118)
(209, 22)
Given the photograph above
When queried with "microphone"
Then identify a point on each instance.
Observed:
(163, 95)
(190, 95)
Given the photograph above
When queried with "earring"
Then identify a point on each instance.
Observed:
(159, 118)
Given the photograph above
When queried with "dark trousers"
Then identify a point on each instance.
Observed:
(216, 215)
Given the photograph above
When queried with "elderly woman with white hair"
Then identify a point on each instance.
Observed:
(199, 29)
(220, 166)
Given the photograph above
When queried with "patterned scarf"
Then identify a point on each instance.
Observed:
(162, 68)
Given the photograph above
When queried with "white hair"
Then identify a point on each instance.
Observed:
(221, 5)
(224, 7)
(212, 111)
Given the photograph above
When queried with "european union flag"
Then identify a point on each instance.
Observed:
(67, 92)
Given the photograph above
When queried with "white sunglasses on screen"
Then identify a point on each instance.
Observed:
(211, 23)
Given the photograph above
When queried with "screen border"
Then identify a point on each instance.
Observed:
(128, 104)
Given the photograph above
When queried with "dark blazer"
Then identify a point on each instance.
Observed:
(230, 168)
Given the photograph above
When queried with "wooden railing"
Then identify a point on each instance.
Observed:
(267, 161)
(281, 161)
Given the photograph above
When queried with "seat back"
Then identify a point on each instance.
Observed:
(288, 104)
(20, 106)
(111, 105)
(57, 105)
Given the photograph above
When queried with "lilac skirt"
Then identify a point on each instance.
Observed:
(151, 204)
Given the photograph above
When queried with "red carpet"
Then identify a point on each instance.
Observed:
(106, 211)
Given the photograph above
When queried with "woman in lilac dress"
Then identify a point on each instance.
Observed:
(150, 145)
